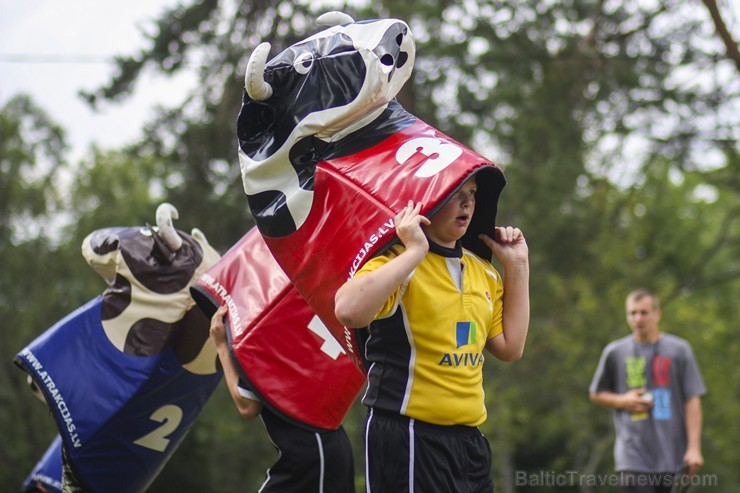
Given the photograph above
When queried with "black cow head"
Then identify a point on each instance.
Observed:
(314, 93)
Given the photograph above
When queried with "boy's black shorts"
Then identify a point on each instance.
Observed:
(308, 461)
(406, 455)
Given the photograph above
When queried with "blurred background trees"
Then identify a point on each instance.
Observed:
(616, 124)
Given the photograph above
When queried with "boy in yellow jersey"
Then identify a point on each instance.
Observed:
(431, 307)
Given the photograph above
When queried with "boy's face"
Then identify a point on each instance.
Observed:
(453, 219)
(643, 318)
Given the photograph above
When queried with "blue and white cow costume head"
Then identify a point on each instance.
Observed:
(312, 95)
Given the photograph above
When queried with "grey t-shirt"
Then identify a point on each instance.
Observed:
(654, 441)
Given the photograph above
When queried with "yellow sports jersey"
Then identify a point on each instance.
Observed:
(425, 347)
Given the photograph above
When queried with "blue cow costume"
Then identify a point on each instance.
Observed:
(126, 375)
(47, 475)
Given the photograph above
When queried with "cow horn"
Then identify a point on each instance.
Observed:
(334, 18)
(254, 79)
(165, 214)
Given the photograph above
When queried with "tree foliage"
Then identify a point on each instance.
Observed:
(30, 160)
(615, 123)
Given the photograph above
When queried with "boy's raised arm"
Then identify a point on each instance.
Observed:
(358, 301)
(511, 249)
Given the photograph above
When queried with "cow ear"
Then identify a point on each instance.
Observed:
(334, 18)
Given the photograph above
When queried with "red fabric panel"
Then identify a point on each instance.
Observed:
(289, 365)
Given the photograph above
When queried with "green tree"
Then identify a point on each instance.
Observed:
(31, 148)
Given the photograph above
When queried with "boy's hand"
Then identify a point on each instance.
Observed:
(408, 227)
(509, 247)
(218, 329)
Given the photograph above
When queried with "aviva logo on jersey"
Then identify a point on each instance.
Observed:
(464, 335)
(465, 332)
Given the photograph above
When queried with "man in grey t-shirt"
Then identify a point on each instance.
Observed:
(652, 381)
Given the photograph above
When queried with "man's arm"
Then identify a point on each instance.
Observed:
(357, 301)
(693, 457)
(248, 408)
(631, 400)
(510, 248)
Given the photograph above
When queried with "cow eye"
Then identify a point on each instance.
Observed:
(303, 63)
